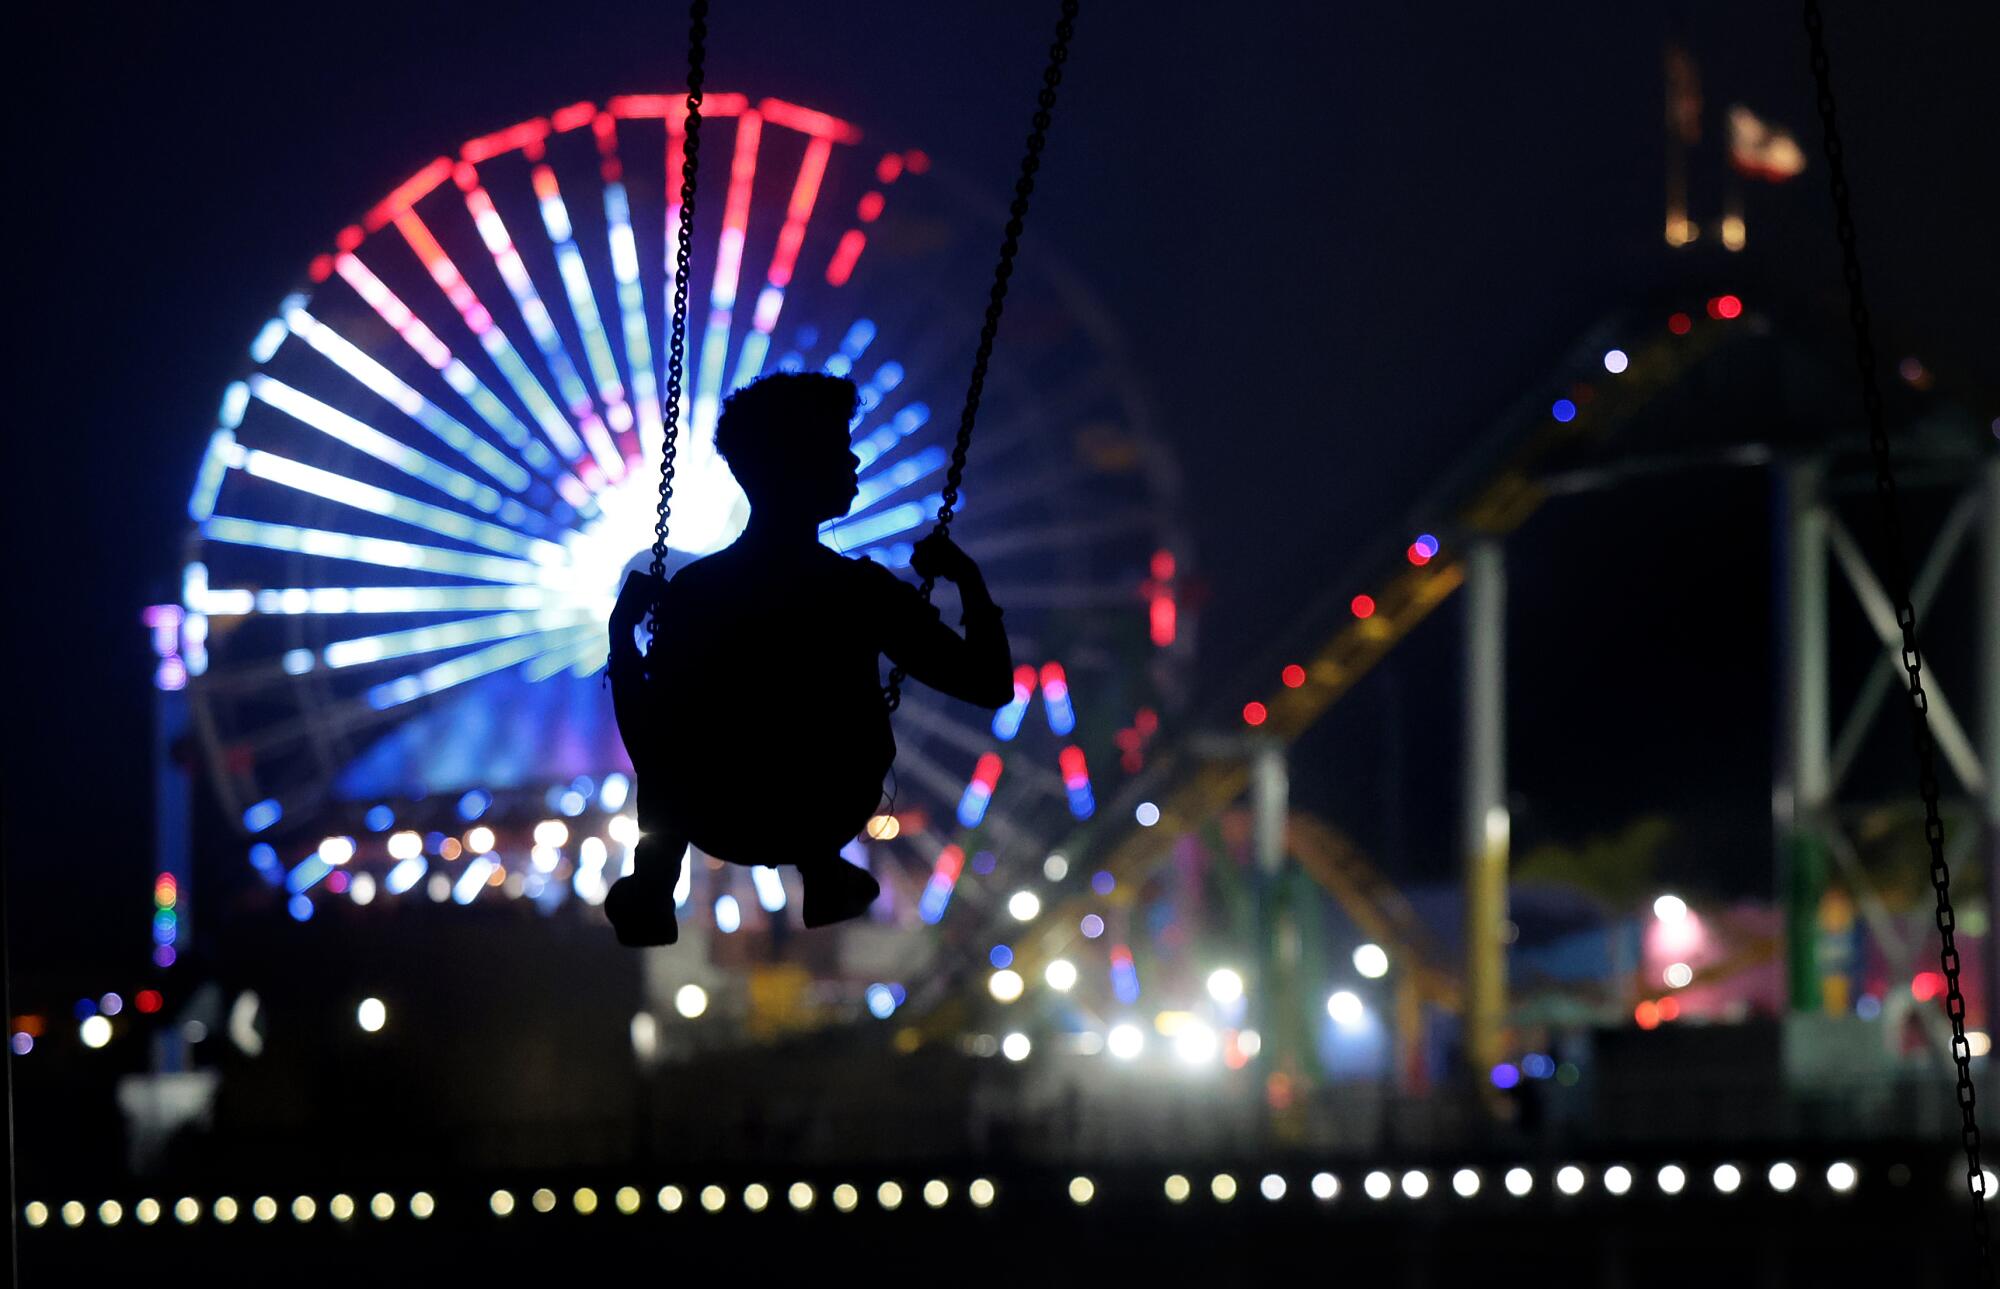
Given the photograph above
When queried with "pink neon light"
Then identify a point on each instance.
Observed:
(488, 146)
(889, 168)
(406, 194)
(841, 267)
(769, 301)
(466, 176)
(1055, 684)
(632, 107)
(736, 210)
(444, 272)
(393, 311)
(711, 105)
(870, 208)
(1163, 620)
(805, 192)
(569, 118)
(806, 121)
(987, 772)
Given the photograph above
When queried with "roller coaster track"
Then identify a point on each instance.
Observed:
(1494, 489)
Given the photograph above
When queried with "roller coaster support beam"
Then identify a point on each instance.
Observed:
(1988, 662)
(1804, 788)
(1286, 1034)
(1486, 822)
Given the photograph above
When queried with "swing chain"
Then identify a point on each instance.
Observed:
(1010, 246)
(683, 241)
(1906, 618)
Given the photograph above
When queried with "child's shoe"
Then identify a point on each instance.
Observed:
(641, 909)
(836, 891)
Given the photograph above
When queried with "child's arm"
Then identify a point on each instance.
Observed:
(628, 666)
(978, 666)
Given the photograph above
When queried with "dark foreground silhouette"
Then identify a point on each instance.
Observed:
(755, 720)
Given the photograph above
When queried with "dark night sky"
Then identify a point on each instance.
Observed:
(1339, 240)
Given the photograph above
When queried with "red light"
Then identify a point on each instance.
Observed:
(1254, 713)
(1293, 676)
(844, 256)
(572, 117)
(148, 1001)
(1418, 555)
(337, 882)
(1363, 606)
(987, 772)
(871, 208)
(1728, 306)
(1670, 1008)
(1146, 722)
(889, 168)
(1926, 985)
(1680, 324)
(918, 161)
(1163, 565)
(1647, 1014)
(321, 268)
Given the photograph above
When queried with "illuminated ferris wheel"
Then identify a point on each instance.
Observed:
(422, 495)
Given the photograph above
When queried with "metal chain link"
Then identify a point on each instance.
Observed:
(1906, 617)
(1010, 245)
(677, 336)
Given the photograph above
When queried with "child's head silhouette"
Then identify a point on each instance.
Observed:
(786, 440)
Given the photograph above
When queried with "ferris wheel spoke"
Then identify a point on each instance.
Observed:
(587, 653)
(631, 295)
(845, 534)
(383, 551)
(350, 358)
(728, 270)
(296, 601)
(362, 437)
(391, 309)
(885, 437)
(390, 646)
(784, 259)
(379, 702)
(582, 296)
(534, 311)
(513, 368)
(288, 473)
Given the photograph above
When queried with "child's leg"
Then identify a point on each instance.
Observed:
(835, 891)
(641, 906)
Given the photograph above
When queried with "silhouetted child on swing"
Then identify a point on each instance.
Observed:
(755, 720)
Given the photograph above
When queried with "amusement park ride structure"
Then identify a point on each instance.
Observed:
(305, 738)
(1604, 429)
(423, 492)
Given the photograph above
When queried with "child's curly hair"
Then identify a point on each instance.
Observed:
(755, 417)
